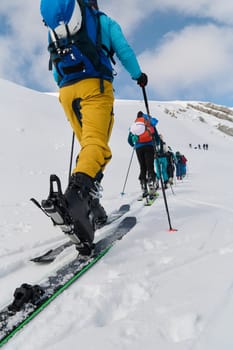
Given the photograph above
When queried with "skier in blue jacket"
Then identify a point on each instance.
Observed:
(142, 136)
(88, 105)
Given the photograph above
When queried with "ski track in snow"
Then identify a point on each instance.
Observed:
(230, 210)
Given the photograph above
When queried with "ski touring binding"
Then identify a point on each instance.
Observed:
(55, 206)
(25, 294)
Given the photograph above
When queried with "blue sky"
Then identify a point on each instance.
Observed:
(162, 22)
(185, 48)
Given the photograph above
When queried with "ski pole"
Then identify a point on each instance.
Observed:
(163, 191)
(71, 157)
(145, 100)
(126, 178)
(158, 163)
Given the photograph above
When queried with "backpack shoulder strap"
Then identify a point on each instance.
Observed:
(109, 52)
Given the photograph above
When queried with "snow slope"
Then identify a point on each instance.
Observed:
(155, 289)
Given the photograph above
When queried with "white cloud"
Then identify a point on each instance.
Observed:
(219, 10)
(129, 13)
(194, 61)
(132, 12)
(24, 57)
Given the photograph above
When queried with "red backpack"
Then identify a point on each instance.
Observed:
(147, 135)
(183, 159)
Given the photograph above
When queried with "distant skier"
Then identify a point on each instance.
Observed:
(141, 136)
(171, 160)
(183, 166)
(161, 162)
(180, 165)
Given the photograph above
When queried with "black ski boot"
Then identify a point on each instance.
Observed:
(78, 199)
(71, 210)
(99, 214)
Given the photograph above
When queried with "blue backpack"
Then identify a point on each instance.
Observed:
(78, 55)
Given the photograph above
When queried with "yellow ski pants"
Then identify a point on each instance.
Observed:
(90, 113)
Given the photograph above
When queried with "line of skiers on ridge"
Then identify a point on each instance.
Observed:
(155, 158)
(205, 146)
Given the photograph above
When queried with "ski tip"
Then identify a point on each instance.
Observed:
(45, 258)
(124, 207)
(33, 200)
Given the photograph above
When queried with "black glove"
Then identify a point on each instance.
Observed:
(142, 80)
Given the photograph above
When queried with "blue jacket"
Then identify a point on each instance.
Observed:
(113, 37)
